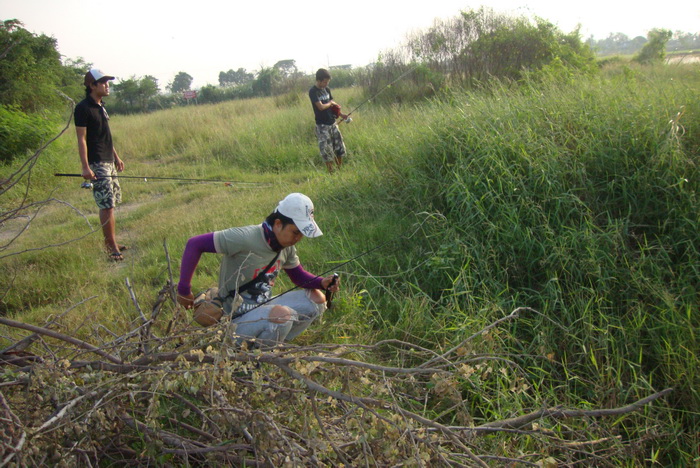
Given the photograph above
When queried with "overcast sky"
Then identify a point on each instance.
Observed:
(161, 38)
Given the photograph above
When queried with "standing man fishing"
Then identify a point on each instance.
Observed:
(330, 141)
(252, 258)
(100, 161)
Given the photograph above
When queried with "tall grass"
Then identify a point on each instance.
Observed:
(575, 196)
(579, 200)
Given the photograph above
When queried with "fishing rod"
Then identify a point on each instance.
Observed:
(218, 301)
(88, 184)
(322, 275)
(347, 118)
(329, 294)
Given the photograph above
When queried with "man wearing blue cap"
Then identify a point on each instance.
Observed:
(100, 161)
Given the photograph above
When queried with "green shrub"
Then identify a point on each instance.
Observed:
(21, 133)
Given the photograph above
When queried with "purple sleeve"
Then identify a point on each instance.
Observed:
(194, 249)
(303, 278)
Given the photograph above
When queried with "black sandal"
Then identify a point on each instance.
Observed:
(116, 256)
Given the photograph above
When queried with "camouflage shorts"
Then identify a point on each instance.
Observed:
(330, 142)
(106, 189)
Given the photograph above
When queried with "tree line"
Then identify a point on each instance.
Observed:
(621, 44)
(143, 94)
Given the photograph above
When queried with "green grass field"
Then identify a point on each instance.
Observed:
(574, 196)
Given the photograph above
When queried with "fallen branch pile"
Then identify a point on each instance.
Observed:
(190, 396)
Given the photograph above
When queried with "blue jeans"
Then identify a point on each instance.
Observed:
(256, 324)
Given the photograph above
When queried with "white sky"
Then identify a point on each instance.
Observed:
(161, 38)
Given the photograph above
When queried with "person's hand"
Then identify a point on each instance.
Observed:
(119, 164)
(186, 301)
(88, 174)
(330, 285)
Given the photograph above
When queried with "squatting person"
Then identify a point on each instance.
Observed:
(330, 141)
(98, 157)
(252, 258)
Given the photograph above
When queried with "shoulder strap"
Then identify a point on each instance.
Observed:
(254, 280)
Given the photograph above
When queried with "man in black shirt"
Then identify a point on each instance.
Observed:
(330, 141)
(99, 160)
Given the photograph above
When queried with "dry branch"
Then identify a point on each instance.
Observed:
(198, 399)
(559, 413)
(59, 336)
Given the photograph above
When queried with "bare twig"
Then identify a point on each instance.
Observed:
(173, 296)
(8, 430)
(337, 451)
(60, 414)
(559, 413)
(59, 336)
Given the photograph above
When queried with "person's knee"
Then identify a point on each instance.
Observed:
(318, 302)
(281, 314)
(316, 296)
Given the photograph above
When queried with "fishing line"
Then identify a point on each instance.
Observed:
(322, 275)
(182, 179)
(340, 265)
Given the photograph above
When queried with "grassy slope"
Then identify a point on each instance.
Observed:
(575, 199)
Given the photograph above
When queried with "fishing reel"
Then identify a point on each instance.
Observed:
(86, 185)
(335, 109)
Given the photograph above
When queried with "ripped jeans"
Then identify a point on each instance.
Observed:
(301, 312)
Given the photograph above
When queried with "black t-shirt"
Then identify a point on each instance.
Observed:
(94, 118)
(323, 96)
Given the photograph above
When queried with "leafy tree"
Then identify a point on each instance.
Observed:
(31, 73)
(137, 93)
(265, 81)
(181, 82)
(234, 78)
(127, 91)
(148, 88)
(71, 79)
(654, 51)
(30, 68)
(286, 68)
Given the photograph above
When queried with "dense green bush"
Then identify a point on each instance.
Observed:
(21, 133)
(472, 49)
(654, 51)
(341, 77)
(211, 94)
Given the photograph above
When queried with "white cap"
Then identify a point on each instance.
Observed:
(95, 75)
(300, 209)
